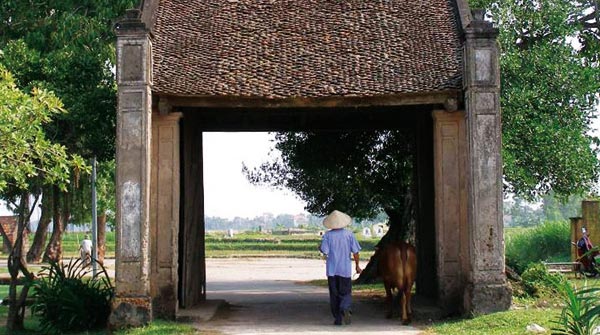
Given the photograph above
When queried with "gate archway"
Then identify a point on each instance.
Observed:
(186, 67)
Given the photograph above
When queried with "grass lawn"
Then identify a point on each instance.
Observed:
(511, 322)
(159, 327)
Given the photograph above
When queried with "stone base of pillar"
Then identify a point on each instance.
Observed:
(130, 312)
(165, 304)
(487, 298)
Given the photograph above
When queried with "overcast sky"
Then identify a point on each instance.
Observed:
(227, 191)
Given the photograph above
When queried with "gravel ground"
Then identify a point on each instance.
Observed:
(267, 296)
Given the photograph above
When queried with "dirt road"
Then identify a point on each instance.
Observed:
(266, 296)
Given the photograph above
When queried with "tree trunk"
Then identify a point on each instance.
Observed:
(54, 248)
(400, 222)
(34, 255)
(16, 263)
(66, 209)
(101, 237)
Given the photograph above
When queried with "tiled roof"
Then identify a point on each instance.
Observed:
(305, 48)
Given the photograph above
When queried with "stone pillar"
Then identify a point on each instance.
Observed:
(132, 304)
(576, 225)
(450, 207)
(590, 210)
(487, 289)
(164, 214)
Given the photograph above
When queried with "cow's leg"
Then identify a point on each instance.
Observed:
(402, 300)
(398, 303)
(409, 304)
(389, 301)
(406, 306)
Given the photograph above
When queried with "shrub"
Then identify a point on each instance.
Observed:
(538, 282)
(547, 242)
(581, 314)
(68, 299)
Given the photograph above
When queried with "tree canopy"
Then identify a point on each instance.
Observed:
(550, 86)
(359, 172)
(27, 160)
(67, 47)
(25, 152)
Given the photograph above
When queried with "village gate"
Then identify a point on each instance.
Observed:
(184, 67)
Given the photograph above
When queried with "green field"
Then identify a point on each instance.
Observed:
(241, 245)
(70, 244)
(265, 245)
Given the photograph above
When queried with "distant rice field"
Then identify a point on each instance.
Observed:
(240, 245)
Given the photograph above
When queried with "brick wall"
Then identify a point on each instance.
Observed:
(9, 227)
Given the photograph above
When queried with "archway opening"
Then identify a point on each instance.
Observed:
(196, 121)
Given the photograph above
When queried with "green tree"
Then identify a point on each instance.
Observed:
(550, 82)
(522, 213)
(557, 209)
(362, 173)
(67, 46)
(27, 160)
(348, 171)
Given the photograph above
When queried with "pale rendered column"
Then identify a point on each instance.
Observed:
(164, 214)
(487, 289)
(132, 304)
(450, 207)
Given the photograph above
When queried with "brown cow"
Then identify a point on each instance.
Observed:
(397, 266)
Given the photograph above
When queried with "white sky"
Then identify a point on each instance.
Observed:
(3, 210)
(227, 192)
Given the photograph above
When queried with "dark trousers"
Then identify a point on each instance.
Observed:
(340, 295)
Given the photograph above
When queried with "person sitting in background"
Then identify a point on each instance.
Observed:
(587, 258)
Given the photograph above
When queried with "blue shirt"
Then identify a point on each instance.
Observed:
(338, 244)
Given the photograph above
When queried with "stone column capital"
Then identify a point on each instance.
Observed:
(479, 28)
(131, 25)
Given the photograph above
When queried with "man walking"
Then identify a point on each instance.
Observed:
(337, 244)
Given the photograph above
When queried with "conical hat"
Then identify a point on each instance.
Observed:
(337, 220)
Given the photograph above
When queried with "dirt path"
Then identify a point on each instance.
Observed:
(265, 296)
